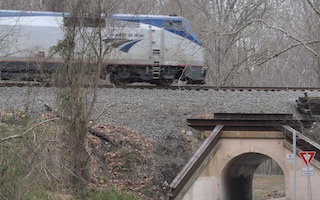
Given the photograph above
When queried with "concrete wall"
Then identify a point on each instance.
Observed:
(232, 157)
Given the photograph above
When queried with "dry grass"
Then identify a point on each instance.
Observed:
(268, 187)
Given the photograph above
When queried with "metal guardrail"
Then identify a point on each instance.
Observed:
(195, 161)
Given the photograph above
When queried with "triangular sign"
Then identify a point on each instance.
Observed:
(307, 156)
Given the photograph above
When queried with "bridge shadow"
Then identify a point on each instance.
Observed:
(237, 176)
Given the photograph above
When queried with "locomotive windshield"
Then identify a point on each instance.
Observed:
(176, 25)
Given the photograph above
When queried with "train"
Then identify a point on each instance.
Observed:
(156, 49)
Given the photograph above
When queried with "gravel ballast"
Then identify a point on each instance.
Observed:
(158, 113)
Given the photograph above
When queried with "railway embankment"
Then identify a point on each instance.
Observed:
(148, 124)
(157, 113)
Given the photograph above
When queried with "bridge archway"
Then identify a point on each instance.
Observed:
(237, 175)
(223, 166)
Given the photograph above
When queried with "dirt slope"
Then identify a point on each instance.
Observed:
(123, 158)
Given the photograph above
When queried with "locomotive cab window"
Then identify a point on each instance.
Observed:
(176, 25)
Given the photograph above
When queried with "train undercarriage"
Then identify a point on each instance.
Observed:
(162, 75)
(118, 75)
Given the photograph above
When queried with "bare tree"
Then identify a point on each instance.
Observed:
(22, 4)
(83, 52)
(256, 42)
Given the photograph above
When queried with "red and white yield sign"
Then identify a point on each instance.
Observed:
(307, 156)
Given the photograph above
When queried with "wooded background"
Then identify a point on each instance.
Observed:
(248, 43)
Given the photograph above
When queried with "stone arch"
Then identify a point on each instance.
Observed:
(237, 175)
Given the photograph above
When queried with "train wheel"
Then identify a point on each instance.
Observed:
(116, 80)
(103, 74)
(165, 82)
(195, 82)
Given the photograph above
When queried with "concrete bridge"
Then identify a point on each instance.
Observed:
(223, 167)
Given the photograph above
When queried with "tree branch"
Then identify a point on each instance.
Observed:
(277, 29)
(313, 7)
(24, 133)
(285, 50)
(290, 36)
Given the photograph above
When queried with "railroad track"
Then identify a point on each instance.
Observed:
(173, 87)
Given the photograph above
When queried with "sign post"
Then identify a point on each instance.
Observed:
(307, 157)
(294, 152)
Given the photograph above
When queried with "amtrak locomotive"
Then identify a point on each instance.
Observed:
(142, 48)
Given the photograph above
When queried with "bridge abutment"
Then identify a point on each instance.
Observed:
(229, 172)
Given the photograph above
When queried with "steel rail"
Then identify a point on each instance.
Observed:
(4, 83)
